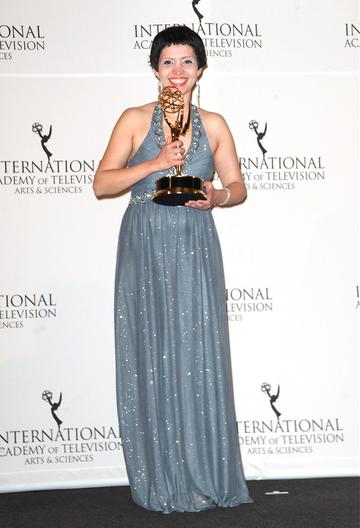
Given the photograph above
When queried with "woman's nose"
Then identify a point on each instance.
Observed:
(178, 67)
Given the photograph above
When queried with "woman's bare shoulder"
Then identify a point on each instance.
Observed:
(136, 113)
(215, 126)
(212, 120)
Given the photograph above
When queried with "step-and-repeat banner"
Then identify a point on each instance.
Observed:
(286, 79)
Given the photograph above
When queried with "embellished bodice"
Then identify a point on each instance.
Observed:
(199, 158)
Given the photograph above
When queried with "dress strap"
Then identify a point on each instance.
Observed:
(157, 126)
(196, 132)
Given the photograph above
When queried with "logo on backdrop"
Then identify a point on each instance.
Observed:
(221, 38)
(15, 40)
(47, 176)
(47, 396)
(352, 36)
(44, 138)
(287, 436)
(254, 125)
(196, 11)
(59, 445)
(266, 387)
(357, 300)
(18, 309)
(245, 301)
(278, 172)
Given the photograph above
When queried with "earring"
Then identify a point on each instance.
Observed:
(198, 93)
(159, 87)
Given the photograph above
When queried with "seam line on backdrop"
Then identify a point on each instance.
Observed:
(227, 74)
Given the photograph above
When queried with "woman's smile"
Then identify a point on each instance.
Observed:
(178, 82)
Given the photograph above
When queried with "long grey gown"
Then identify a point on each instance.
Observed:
(174, 383)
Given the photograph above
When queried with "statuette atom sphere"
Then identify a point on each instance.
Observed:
(37, 127)
(47, 395)
(265, 387)
(253, 125)
(171, 99)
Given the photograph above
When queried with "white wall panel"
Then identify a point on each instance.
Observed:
(290, 252)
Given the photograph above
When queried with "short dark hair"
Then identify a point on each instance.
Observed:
(177, 35)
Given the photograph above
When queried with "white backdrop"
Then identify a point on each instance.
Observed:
(290, 252)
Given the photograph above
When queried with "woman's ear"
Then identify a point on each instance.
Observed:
(156, 73)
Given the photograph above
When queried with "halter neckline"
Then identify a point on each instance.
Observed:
(196, 130)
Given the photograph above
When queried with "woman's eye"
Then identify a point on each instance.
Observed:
(188, 61)
(167, 61)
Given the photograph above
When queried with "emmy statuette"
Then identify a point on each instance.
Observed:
(176, 189)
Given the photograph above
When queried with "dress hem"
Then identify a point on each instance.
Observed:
(197, 507)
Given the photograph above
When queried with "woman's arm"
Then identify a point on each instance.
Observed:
(113, 176)
(226, 166)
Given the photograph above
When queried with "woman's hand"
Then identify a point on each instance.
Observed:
(170, 155)
(211, 198)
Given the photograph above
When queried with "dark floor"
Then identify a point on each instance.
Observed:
(310, 503)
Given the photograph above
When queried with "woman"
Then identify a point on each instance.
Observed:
(174, 386)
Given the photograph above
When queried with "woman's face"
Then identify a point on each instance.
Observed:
(178, 67)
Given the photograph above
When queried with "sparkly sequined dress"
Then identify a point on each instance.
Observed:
(174, 383)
